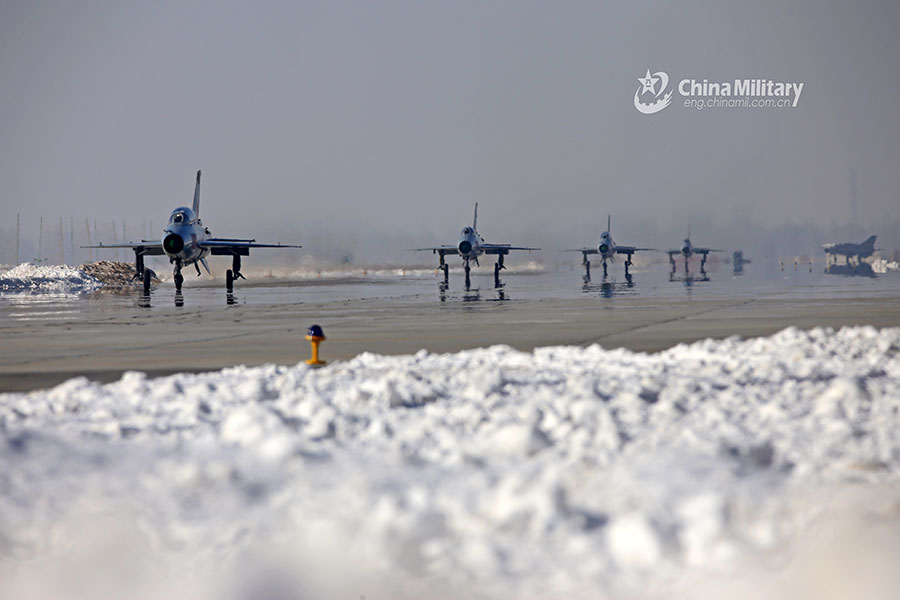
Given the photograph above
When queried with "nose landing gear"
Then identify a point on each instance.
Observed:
(178, 277)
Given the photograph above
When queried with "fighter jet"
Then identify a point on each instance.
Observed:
(687, 250)
(186, 241)
(470, 246)
(607, 249)
(849, 249)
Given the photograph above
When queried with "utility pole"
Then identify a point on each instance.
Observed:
(87, 227)
(40, 241)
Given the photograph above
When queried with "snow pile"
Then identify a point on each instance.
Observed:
(49, 278)
(719, 469)
(111, 272)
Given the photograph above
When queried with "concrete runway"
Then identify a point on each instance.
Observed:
(47, 340)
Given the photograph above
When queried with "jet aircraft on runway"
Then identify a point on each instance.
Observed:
(687, 250)
(607, 249)
(849, 249)
(469, 247)
(186, 241)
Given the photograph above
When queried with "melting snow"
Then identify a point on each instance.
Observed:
(566, 472)
(49, 278)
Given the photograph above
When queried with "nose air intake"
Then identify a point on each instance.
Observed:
(465, 247)
(173, 243)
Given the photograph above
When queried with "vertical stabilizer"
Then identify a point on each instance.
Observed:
(689, 229)
(196, 207)
(475, 220)
(609, 224)
(870, 243)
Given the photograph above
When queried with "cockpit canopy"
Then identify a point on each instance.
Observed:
(181, 215)
(467, 231)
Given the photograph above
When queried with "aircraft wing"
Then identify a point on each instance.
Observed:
(632, 249)
(583, 250)
(235, 243)
(442, 250)
(230, 247)
(150, 247)
(706, 250)
(503, 248)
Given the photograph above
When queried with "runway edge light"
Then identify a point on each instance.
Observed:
(315, 335)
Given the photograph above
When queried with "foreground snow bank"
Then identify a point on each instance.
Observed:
(716, 469)
(49, 278)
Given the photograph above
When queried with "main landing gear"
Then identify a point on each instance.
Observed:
(234, 273)
(498, 266)
(443, 266)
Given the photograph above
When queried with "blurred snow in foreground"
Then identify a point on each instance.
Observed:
(49, 278)
(739, 469)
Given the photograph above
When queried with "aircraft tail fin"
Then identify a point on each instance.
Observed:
(609, 224)
(475, 220)
(689, 231)
(196, 206)
(870, 243)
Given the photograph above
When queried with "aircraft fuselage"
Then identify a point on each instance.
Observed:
(607, 247)
(182, 237)
(469, 244)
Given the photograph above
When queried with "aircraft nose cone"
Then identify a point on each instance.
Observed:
(173, 243)
(465, 247)
(685, 250)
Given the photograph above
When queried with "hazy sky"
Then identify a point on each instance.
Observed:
(397, 116)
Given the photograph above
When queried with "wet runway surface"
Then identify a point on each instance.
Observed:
(49, 338)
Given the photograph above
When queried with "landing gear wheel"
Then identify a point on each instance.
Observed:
(146, 282)
(229, 280)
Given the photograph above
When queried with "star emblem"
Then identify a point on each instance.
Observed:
(649, 83)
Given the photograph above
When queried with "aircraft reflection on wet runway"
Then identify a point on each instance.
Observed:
(608, 289)
(688, 280)
(861, 269)
(473, 294)
(144, 300)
